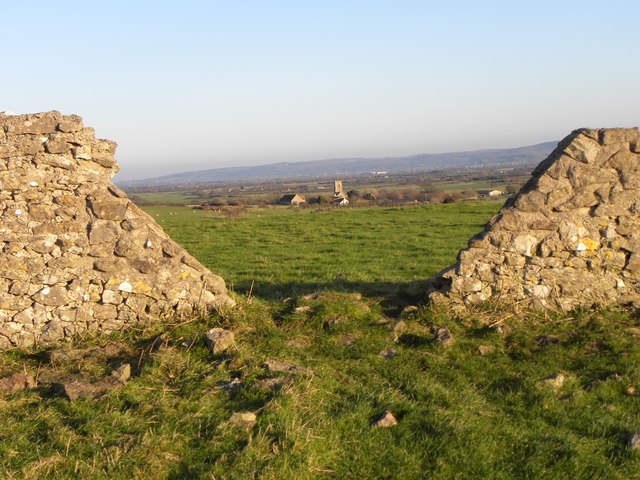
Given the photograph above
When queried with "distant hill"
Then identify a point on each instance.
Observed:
(503, 157)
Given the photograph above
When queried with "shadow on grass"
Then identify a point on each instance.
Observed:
(394, 294)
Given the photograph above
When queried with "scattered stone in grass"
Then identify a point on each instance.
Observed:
(302, 309)
(398, 329)
(52, 377)
(76, 389)
(388, 353)
(75, 354)
(407, 311)
(218, 340)
(277, 366)
(547, 340)
(634, 441)
(634, 330)
(287, 300)
(333, 322)
(385, 421)
(311, 296)
(15, 382)
(273, 384)
(443, 337)
(630, 391)
(122, 373)
(243, 419)
(556, 380)
(486, 349)
(232, 385)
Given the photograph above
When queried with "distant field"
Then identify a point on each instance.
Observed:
(286, 251)
(465, 186)
(179, 198)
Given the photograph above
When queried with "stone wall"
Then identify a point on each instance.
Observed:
(570, 238)
(76, 254)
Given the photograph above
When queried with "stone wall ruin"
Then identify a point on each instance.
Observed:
(76, 254)
(570, 238)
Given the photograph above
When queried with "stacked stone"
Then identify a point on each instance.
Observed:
(570, 238)
(76, 254)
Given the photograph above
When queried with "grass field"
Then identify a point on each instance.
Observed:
(292, 251)
(328, 287)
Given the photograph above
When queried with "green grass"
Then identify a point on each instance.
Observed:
(289, 251)
(460, 414)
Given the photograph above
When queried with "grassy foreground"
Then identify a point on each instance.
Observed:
(327, 291)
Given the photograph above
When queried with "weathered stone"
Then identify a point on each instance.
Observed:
(52, 296)
(634, 441)
(388, 353)
(277, 366)
(443, 337)
(633, 263)
(218, 340)
(398, 329)
(53, 331)
(57, 144)
(70, 123)
(110, 264)
(555, 381)
(82, 389)
(525, 244)
(103, 231)
(243, 419)
(39, 123)
(385, 421)
(232, 385)
(272, 384)
(15, 382)
(108, 208)
(563, 240)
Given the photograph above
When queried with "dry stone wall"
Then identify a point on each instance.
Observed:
(76, 254)
(570, 238)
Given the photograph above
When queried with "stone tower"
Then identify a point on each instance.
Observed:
(77, 255)
(571, 237)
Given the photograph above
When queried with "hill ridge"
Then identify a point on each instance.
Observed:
(530, 154)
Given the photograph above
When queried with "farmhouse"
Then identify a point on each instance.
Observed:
(291, 199)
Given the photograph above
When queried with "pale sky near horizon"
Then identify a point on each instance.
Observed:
(205, 84)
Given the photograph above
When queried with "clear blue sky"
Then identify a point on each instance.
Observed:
(205, 84)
